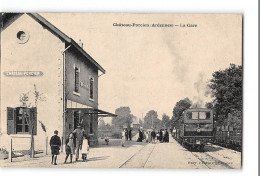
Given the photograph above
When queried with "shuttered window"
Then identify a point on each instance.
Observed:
(91, 88)
(33, 120)
(11, 129)
(76, 79)
(21, 120)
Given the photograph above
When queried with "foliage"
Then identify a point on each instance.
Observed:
(151, 120)
(178, 109)
(38, 96)
(226, 88)
(181, 106)
(141, 122)
(101, 123)
(124, 117)
(166, 122)
(43, 126)
(24, 99)
(103, 126)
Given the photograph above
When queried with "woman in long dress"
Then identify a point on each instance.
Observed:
(85, 149)
(149, 136)
(123, 138)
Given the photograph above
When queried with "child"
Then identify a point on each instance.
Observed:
(55, 144)
(85, 149)
(69, 148)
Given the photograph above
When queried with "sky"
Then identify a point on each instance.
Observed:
(152, 68)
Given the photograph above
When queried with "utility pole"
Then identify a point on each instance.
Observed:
(152, 121)
(142, 119)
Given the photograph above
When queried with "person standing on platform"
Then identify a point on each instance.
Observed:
(85, 149)
(149, 136)
(153, 135)
(160, 135)
(69, 147)
(166, 136)
(55, 144)
(126, 134)
(130, 134)
(79, 133)
(123, 137)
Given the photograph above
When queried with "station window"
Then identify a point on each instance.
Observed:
(91, 88)
(20, 119)
(195, 115)
(76, 79)
(76, 119)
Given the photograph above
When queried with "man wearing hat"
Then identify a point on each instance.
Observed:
(79, 133)
(153, 135)
(55, 144)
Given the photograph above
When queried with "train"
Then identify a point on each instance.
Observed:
(196, 128)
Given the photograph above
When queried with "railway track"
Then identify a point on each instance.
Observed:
(140, 158)
(210, 161)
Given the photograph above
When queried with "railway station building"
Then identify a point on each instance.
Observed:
(48, 82)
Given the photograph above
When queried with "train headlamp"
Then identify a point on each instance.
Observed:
(198, 129)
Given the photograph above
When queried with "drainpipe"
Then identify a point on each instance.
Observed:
(64, 96)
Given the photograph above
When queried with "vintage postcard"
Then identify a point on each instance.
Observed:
(121, 90)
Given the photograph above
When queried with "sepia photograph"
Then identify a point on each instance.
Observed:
(121, 90)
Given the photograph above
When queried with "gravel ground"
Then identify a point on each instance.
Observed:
(141, 155)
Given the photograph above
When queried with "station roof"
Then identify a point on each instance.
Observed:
(8, 18)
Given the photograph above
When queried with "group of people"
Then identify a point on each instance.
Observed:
(163, 135)
(126, 135)
(76, 142)
(153, 136)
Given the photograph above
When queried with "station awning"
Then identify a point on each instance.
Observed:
(101, 113)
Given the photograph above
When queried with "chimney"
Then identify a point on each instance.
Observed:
(80, 43)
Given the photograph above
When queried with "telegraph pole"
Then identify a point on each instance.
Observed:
(152, 121)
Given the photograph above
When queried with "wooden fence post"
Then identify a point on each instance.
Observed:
(46, 145)
(10, 151)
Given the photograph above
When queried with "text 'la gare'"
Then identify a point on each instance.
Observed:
(188, 25)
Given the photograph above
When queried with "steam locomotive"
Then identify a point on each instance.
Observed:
(195, 128)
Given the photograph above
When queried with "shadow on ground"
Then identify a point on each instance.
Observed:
(117, 143)
(212, 148)
(98, 158)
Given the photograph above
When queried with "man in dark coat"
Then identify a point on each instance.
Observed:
(153, 135)
(130, 134)
(140, 138)
(79, 133)
(160, 135)
(166, 136)
(55, 144)
(126, 134)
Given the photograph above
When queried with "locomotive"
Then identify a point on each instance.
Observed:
(195, 128)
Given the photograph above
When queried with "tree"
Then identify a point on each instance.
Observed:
(178, 109)
(151, 120)
(141, 122)
(25, 99)
(124, 117)
(226, 89)
(101, 124)
(166, 122)
(181, 106)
